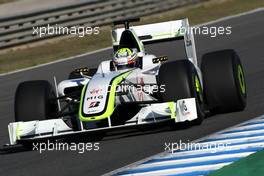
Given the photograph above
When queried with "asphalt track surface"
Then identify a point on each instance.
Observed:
(247, 39)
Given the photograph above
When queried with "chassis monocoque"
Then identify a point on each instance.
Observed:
(155, 90)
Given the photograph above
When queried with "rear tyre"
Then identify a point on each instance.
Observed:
(224, 81)
(182, 81)
(35, 100)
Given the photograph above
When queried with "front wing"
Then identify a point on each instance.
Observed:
(182, 110)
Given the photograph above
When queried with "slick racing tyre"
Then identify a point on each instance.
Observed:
(181, 81)
(35, 100)
(224, 81)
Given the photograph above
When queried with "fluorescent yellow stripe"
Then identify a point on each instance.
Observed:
(110, 104)
(172, 109)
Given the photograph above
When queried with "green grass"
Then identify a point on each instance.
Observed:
(250, 165)
(55, 49)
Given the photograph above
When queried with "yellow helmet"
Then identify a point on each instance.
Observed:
(125, 56)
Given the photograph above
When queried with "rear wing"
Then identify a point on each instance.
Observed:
(159, 32)
(152, 33)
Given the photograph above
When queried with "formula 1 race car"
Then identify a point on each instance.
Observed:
(131, 89)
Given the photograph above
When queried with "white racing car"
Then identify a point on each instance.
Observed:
(132, 89)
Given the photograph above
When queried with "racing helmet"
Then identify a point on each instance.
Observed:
(125, 58)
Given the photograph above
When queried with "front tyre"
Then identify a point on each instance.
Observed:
(224, 81)
(35, 100)
(181, 81)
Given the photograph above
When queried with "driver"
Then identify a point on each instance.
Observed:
(125, 58)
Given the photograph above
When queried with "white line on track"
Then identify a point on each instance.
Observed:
(54, 62)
